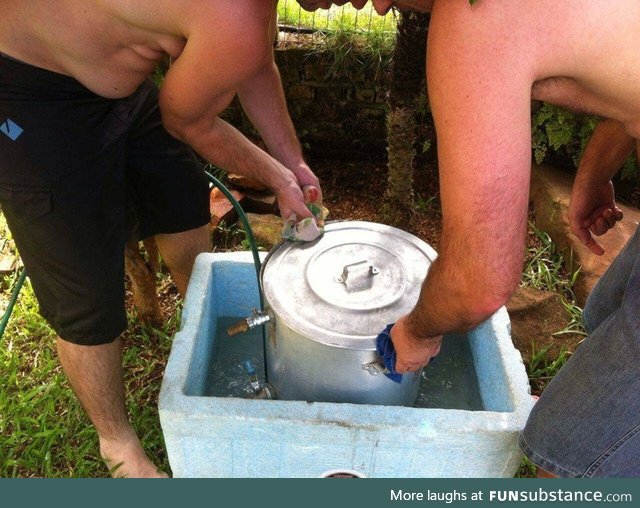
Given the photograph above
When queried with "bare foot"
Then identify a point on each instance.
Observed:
(128, 460)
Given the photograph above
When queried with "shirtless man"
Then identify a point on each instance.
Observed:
(485, 63)
(82, 139)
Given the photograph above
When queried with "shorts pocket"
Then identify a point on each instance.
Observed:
(25, 202)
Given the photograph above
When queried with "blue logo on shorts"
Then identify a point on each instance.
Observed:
(10, 128)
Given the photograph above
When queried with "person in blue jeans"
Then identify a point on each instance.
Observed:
(486, 60)
(586, 422)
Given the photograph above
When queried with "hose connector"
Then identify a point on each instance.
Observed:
(257, 318)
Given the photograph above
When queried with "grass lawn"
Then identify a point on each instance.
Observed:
(343, 18)
(43, 430)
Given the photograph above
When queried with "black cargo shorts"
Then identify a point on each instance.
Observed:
(77, 172)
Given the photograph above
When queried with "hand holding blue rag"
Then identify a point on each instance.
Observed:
(387, 352)
(384, 347)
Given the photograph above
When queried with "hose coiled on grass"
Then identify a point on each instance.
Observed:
(12, 302)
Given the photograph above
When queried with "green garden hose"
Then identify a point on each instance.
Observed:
(12, 302)
(254, 251)
(245, 224)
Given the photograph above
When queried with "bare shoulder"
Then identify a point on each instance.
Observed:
(184, 17)
(488, 41)
(227, 42)
(552, 37)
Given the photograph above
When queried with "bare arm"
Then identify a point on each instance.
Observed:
(224, 53)
(607, 151)
(479, 88)
(263, 100)
(593, 208)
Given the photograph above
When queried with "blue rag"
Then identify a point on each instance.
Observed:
(387, 353)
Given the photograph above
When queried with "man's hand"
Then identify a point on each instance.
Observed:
(412, 352)
(593, 207)
(290, 196)
(291, 201)
(593, 210)
(306, 177)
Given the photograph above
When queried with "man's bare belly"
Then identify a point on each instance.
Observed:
(106, 55)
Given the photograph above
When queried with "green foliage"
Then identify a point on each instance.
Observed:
(541, 368)
(544, 267)
(527, 468)
(229, 237)
(354, 52)
(217, 172)
(426, 205)
(43, 430)
(545, 270)
(576, 325)
(558, 131)
(630, 169)
(561, 135)
(336, 18)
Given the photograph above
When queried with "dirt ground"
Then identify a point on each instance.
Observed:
(354, 191)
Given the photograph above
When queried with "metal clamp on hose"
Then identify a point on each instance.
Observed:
(258, 390)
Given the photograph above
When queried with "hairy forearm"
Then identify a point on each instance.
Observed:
(224, 146)
(605, 154)
(481, 252)
(264, 103)
(459, 294)
(443, 307)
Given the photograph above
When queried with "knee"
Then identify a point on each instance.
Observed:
(595, 313)
(179, 250)
(589, 316)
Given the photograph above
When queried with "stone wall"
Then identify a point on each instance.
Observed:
(338, 110)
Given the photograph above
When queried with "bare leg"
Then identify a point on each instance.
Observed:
(95, 373)
(179, 252)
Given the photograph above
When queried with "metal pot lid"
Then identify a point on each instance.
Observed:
(344, 288)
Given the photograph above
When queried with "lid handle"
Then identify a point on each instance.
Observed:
(356, 267)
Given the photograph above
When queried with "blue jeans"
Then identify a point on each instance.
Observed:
(587, 422)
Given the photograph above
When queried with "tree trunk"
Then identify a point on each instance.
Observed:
(407, 82)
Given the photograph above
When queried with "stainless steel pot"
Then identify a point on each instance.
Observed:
(328, 300)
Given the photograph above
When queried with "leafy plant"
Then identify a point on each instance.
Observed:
(558, 134)
(527, 468)
(541, 368)
(426, 204)
(544, 267)
(228, 237)
(545, 270)
(332, 19)
(556, 130)
(576, 325)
